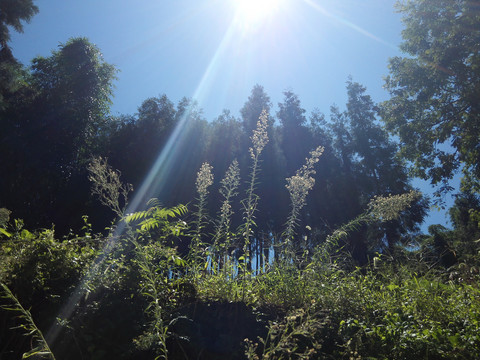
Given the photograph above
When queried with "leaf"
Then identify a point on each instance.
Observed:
(177, 260)
(454, 340)
(4, 232)
(135, 216)
(392, 287)
(39, 350)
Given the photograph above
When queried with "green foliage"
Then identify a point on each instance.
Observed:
(402, 316)
(294, 337)
(306, 289)
(4, 217)
(154, 262)
(42, 271)
(36, 263)
(434, 105)
(388, 312)
(12, 14)
(157, 217)
(317, 306)
(449, 247)
(60, 113)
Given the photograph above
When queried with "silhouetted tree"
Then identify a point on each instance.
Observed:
(12, 14)
(54, 131)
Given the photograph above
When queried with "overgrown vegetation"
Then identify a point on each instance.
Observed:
(276, 260)
(312, 299)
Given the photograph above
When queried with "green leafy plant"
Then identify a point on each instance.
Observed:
(154, 262)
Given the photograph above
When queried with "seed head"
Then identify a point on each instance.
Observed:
(389, 207)
(204, 178)
(260, 136)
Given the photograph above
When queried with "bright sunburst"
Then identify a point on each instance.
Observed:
(250, 14)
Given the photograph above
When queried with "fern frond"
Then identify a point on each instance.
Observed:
(136, 216)
(154, 202)
(180, 210)
(149, 224)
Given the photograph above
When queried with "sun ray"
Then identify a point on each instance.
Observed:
(152, 184)
(347, 23)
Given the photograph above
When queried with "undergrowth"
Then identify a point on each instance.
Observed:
(311, 299)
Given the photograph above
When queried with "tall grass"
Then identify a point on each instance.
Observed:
(325, 308)
(40, 348)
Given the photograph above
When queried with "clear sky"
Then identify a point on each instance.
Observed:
(216, 50)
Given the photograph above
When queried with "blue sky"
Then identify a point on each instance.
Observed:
(208, 51)
(196, 49)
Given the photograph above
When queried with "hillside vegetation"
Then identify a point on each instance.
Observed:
(275, 235)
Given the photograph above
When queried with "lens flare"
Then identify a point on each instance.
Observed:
(251, 14)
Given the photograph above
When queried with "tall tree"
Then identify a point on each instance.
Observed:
(74, 89)
(369, 166)
(251, 110)
(295, 136)
(54, 130)
(12, 14)
(375, 152)
(157, 113)
(465, 218)
(341, 138)
(290, 112)
(135, 141)
(380, 171)
(435, 89)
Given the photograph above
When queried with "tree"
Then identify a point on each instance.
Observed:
(135, 141)
(435, 89)
(74, 89)
(295, 137)
(465, 218)
(251, 110)
(157, 114)
(374, 151)
(367, 166)
(156, 119)
(290, 113)
(12, 13)
(53, 129)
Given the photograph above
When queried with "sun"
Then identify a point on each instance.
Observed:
(250, 14)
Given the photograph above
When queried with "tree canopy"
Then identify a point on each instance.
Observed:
(435, 89)
(12, 14)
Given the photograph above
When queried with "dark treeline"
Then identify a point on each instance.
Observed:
(55, 118)
(58, 118)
